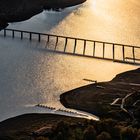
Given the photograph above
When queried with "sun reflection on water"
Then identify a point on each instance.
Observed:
(42, 76)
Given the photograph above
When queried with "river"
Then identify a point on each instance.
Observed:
(29, 76)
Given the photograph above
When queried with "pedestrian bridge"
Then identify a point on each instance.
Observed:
(115, 52)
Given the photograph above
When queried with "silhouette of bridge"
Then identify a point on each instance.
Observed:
(81, 47)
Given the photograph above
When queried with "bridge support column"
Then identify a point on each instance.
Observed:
(4, 33)
(103, 50)
(21, 35)
(30, 36)
(66, 41)
(84, 47)
(13, 33)
(75, 44)
(113, 52)
(39, 37)
(133, 51)
(123, 53)
(48, 39)
(56, 43)
(94, 48)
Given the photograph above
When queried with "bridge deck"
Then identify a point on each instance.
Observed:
(82, 47)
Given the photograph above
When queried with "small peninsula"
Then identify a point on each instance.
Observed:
(107, 99)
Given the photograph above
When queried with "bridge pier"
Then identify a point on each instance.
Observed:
(21, 35)
(13, 34)
(84, 50)
(48, 39)
(123, 52)
(103, 50)
(39, 37)
(133, 51)
(113, 52)
(94, 43)
(66, 41)
(75, 44)
(4, 33)
(30, 36)
(56, 43)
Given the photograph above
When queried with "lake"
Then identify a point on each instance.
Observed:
(29, 75)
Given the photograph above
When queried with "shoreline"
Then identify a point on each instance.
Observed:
(97, 98)
(113, 122)
(16, 11)
(67, 98)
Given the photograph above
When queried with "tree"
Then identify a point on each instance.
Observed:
(104, 136)
(90, 133)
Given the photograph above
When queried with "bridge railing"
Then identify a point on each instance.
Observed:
(98, 49)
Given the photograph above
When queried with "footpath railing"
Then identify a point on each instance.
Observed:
(88, 48)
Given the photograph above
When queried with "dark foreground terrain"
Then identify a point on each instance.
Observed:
(116, 102)
(19, 10)
(55, 127)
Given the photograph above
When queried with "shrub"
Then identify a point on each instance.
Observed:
(62, 127)
(60, 136)
(128, 133)
(62, 130)
(104, 136)
(90, 133)
(138, 135)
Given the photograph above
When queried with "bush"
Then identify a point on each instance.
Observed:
(104, 136)
(138, 135)
(128, 133)
(107, 125)
(62, 130)
(60, 136)
(62, 127)
(90, 133)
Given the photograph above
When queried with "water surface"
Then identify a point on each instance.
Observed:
(30, 75)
